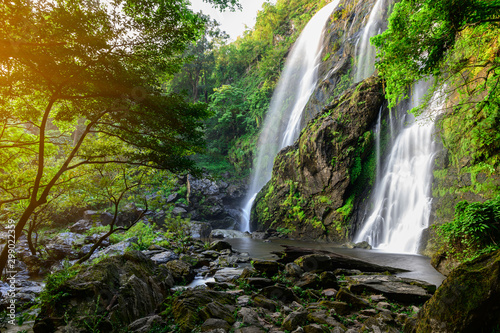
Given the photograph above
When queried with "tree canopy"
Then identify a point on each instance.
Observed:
(80, 86)
(457, 44)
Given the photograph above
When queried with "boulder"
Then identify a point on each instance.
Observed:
(224, 233)
(294, 320)
(265, 303)
(267, 267)
(164, 257)
(322, 317)
(200, 229)
(308, 281)
(178, 211)
(186, 307)
(82, 226)
(362, 245)
(467, 301)
(172, 197)
(117, 289)
(214, 324)
(394, 288)
(259, 283)
(249, 317)
(117, 249)
(182, 272)
(250, 329)
(279, 293)
(292, 269)
(312, 179)
(356, 303)
(220, 245)
(315, 328)
(328, 280)
(322, 260)
(146, 324)
(219, 311)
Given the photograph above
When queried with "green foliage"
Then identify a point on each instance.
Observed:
(78, 88)
(419, 35)
(294, 203)
(239, 79)
(51, 293)
(458, 46)
(228, 107)
(346, 210)
(474, 230)
(284, 231)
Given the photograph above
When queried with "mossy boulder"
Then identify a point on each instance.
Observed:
(118, 289)
(182, 272)
(312, 192)
(190, 308)
(467, 301)
(267, 267)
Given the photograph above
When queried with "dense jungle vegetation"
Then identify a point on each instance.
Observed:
(107, 106)
(100, 105)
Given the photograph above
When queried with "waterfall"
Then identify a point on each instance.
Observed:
(378, 129)
(401, 199)
(364, 50)
(296, 84)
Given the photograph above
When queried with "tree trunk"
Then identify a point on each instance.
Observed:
(94, 247)
(4, 256)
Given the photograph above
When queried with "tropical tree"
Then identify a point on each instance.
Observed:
(195, 78)
(79, 86)
(457, 43)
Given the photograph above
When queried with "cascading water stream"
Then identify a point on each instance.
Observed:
(401, 200)
(296, 84)
(365, 52)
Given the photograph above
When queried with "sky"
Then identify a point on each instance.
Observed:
(232, 22)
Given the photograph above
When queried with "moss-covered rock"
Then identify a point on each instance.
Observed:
(312, 190)
(467, 301)
(116, 291)
(190, 308)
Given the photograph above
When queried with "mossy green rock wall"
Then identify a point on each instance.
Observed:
(456, 178)
(467, 301)
(315, 182)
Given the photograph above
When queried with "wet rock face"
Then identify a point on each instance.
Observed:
(311, 190)
(451, 185)
(208, 200)
(117, 289)
(339, 50)
(467, 301)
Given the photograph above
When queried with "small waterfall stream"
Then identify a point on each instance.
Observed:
(401, 203)
(365, 52)
(296, 84)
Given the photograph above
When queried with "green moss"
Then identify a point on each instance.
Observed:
(346, 210)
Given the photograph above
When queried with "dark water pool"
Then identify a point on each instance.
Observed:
(419, 266)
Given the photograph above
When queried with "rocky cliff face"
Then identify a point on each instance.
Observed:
(315, 182)
(336, 71)
(453, 184)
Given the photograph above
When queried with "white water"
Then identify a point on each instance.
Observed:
(296, 84)
(401, 200)
(378, 129)
(365, 52)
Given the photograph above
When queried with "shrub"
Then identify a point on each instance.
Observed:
(474, 230)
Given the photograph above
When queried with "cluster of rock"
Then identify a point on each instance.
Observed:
(304, 290)
(207, 200)
(123, 285)
(134, 289)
